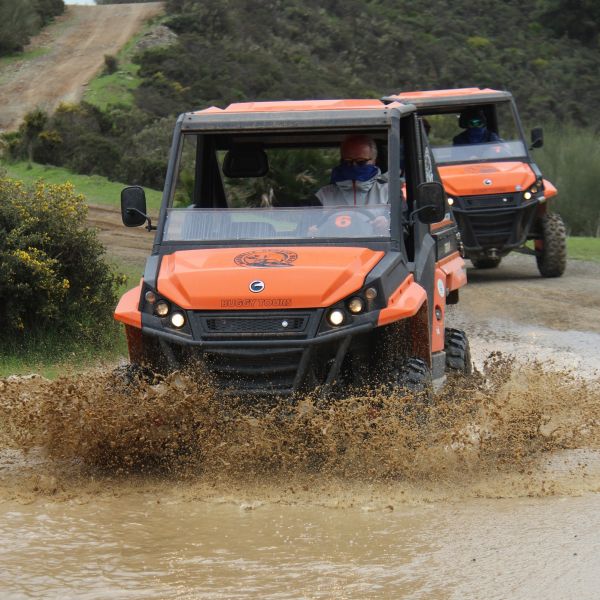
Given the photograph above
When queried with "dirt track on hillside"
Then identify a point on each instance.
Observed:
(75, 45)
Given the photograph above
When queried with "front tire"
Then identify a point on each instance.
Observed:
(552, 248)
(414, 376)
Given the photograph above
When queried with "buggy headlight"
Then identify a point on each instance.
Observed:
(178, 320)
(335, 317)
(356, 305)
(161, 308)
(535, 191)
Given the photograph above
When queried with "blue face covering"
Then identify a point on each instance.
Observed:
(477, 135)
(345, 172)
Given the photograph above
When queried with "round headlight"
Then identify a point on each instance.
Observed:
(356, 305)
(177, 320)
(336, 317)
(371, 293)
(450, 201)
(527, 195)
(161, 308)
(150, 297)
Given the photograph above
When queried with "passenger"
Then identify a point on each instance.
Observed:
(475, 129)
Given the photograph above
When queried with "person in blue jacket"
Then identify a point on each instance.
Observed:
(474, 123)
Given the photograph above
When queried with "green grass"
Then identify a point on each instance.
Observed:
(96, 189)
(117, 88)
(19, 56)
(584, 248)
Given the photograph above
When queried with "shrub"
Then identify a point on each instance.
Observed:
(111, 64)
(53, 276)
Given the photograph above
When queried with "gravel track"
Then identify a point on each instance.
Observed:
(73, 52)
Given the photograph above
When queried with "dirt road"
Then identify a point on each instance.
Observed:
(73, 50)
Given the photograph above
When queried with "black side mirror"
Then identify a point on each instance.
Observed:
(431, 202)
(537, 137)
(133, 206)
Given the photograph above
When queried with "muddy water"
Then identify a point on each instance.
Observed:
(133, 547)
(162, 492)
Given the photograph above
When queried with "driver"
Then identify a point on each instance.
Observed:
(357, 180)
(475, 129)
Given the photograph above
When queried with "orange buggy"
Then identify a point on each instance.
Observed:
(498, 194)
(273, 295)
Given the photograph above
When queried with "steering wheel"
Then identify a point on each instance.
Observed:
(355, 222)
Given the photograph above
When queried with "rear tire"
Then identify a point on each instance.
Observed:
(552, 256)
(458, 352)
(486, 262)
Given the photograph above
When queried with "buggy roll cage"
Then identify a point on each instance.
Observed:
(297, 117)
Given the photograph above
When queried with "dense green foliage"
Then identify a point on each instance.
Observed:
(570, 159)
(53, 276)
(124, 144)
(544, 51)
(20, 19)
(232, 50)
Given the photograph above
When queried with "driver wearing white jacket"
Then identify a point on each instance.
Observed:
(357, 181)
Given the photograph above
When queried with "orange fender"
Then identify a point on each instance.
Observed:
(403, 303)
(453, 267)
(549, 189)
(127, 310)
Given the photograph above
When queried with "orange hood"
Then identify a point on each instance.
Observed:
(298, 277)
(468, 180)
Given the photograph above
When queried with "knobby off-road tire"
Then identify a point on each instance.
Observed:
(458, 352)
(552, 259)
(131, 374)
(486, 263)
(413, 380)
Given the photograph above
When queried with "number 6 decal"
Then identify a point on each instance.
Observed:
(343, 221)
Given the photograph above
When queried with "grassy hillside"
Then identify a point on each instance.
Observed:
(96, 189)
(118, 88)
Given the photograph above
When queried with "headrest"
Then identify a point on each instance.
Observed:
(246, 161)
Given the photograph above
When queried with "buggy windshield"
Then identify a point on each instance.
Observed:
(200, 225)
(475, 134)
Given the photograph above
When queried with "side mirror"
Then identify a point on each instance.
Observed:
(431, 202)
(537, 137)
(133, 206)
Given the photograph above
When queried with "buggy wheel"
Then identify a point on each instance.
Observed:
(552, 248)
(486, 262)
(458, 352)
(414, 376)
(132, 374)
(414, 382)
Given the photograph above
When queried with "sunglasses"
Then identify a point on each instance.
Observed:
(356, 161)
(476, 123)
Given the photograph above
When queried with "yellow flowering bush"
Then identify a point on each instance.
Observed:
(53, 273)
